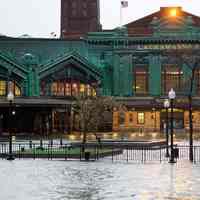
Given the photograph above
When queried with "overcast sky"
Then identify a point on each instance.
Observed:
(39, 18)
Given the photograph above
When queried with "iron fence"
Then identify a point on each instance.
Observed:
(128, 152)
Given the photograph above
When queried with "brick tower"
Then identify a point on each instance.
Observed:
(79, 17)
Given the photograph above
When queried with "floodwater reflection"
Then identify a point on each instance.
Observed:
(103, 180)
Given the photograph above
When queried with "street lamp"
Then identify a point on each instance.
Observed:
(166, 106)
(10, 98)
(172, 96)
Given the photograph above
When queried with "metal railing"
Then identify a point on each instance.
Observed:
(57, 151)
(129, 152)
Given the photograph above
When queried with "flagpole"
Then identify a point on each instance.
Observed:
(123, 4)
(120, 14)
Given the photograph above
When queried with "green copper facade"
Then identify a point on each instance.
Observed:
(107, 56)
(137, 69)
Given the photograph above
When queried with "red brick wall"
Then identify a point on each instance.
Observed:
(79, 17)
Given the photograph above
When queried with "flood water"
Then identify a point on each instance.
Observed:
(102, 180)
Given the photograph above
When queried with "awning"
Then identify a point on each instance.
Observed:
(37, 102)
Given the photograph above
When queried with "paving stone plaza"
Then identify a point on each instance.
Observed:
(61, 180)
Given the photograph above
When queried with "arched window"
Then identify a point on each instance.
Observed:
(13, 87)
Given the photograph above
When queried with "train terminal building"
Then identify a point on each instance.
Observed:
(137, 64)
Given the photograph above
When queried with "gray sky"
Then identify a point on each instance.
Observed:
(39, 18)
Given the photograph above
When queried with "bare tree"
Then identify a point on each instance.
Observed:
(91, 112)
(192, 60)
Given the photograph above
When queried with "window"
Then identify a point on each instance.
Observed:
(171, 78)
(16, 90)
(130, 117)
(89, 90)
(94, 92)
(141, 80)
(54, 88)
(121, 118)
(13, 87)
(67, 88)
(82, 89)
(61, 88)
(140, 118)
(2, 88)
(74, 89)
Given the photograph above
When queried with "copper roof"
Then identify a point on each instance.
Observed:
(141, 27)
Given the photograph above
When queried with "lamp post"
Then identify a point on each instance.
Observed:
(191, 129)
(172, 96)
(10, 98)
(166, 106)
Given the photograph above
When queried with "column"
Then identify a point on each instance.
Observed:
(155, 75)
(116, 75)
(127, 75)
(107, 78)
(187, 74)
(123, 75)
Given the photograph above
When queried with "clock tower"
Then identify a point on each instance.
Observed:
(78, 17)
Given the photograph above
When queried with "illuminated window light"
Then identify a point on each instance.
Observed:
(82, 88)
(74, 85)
(72, 137)
(133, 135)
(154, 135)
(115, 134)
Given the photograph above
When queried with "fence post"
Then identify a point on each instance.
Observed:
(80, 146)
(112, 154)
(34, 151)
(51, 149)
(145, 152)
(2, 150)
(48, 151)
(194, 160)
(65, 150)
(61, 142)
(5, 150)
(160, 155)
(41, 143)
(142, 154)
(126, 154)
(30, 144)
(98, 152)
(19, 151)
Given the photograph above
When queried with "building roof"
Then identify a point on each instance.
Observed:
(143, 26)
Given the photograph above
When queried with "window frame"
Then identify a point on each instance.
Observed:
(141, 70)
(138, 122)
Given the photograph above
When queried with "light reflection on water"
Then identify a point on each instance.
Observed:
(103, 180)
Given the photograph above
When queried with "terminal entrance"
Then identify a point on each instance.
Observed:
(29, 121)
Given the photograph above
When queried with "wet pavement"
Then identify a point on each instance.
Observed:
(102, 180)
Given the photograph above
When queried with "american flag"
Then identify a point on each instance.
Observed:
(53, 34)
(124, 4)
